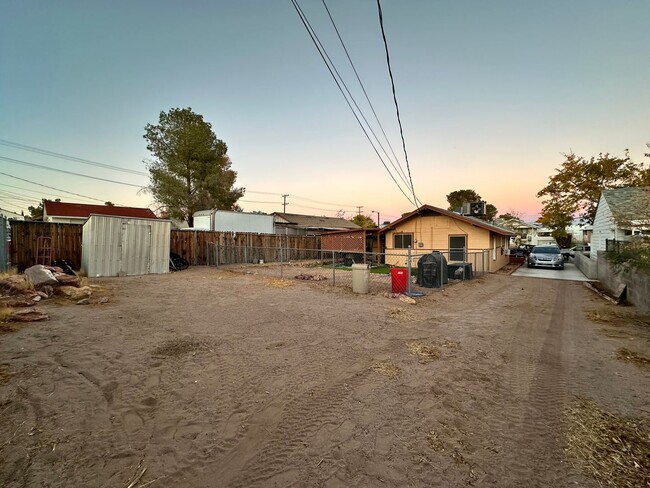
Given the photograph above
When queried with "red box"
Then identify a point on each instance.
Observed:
(399, 280)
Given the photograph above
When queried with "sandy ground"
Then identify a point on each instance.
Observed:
(210, 378)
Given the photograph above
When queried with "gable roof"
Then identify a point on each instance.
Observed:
(628, 205)
(463, 218)
(63, 209)
(315, 222)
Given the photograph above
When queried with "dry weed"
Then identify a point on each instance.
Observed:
(633, 357)
(613, 450)
(388, 369)
(398, 313)
(424, 352)
(435, 442)
(279, 283)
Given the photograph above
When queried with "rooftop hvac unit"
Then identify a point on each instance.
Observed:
(474, 209)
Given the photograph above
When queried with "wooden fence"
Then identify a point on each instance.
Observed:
(57, 241)
(210, 247)
(198, 247)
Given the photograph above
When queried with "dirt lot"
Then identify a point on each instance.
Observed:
(209, 378)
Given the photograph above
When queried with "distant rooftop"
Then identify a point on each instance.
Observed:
(315, 222)
(64, 209)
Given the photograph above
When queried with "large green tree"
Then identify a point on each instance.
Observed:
(575, 189)
(458, 197)
(190, 169)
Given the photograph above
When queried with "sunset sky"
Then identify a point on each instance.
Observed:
(490, 93)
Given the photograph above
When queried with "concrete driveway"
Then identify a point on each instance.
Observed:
(570, 273)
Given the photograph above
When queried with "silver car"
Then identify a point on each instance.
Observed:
(547, 256)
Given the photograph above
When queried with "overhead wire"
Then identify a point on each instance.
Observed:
(392, 83)
(46, 152)
(318, 46)
(51, 187)
(363, 88)
(34, 165)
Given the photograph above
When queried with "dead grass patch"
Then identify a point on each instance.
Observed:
(180, 347)
(388, 369)
(613, 450)
(617, 316)
(397, 313)
(279, 283)
(424, 352)
(639, 360)
(435, 442)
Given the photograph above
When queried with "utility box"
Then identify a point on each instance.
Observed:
(360, 278)
(399, 280)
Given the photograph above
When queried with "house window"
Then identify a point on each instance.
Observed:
(402, 241)
(457, 248)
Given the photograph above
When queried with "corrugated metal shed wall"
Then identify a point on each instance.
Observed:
(4, 238)
(116, 246)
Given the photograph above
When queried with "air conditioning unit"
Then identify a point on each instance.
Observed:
(474, 209)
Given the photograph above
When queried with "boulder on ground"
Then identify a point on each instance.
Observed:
(45, 291)
(27, 315)
(38, 275)
(68, 280)
(74, 293)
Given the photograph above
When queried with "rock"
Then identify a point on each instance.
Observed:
(17, 301)
(39, 276)
(74, 293)
(103, 300)
(27, 315)
(54, 269)
(405, 299)
(46, 291)
(83, 301)
(10, 287)
(68, 280)
(37, 298)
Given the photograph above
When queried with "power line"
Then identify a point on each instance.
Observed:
(25, 147)
(321, 50)
(51, 187)
(40, 192)
(25, 163)
(392, 83)
(363, 88)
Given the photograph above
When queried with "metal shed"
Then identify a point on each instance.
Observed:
(120, 246)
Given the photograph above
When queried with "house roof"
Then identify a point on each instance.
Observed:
(315, 222)
(463, 218)
(630, 204)
(63, 209)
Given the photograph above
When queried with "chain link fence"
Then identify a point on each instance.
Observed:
(388, 272)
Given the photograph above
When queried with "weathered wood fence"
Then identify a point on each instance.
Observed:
(63, 240)
(211, 247)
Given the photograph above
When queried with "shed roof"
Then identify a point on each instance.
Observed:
(463, 218)
(64, 209)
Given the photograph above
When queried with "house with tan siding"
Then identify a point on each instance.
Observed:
(461, 238)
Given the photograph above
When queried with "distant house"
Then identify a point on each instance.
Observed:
(78, 213)
(621, 214)
(463, 238)
(309, 225)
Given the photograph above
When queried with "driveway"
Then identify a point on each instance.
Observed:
(570, 273)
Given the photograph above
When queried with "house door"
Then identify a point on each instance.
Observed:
(457, 248)
(136, 248)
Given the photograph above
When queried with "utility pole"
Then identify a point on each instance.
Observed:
(284, 203)
(359, 207)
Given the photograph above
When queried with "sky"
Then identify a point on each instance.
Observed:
(491, 94)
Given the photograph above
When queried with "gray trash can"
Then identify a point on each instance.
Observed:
(360, 278)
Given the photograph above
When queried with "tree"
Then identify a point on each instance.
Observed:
(191, 169)
(364, 221)
(458, 197)
(36, 212)
(576, 187)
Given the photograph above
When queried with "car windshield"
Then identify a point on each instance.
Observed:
(546, 250)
